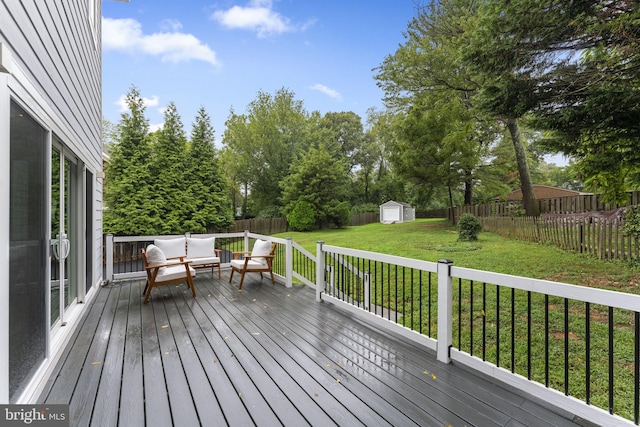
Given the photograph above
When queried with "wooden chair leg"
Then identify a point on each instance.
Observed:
(241, 281)
(147, 294)
(190, 284)
(231, 275)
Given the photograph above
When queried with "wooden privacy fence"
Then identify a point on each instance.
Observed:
(557, 205)
(269, 226)
(600, 237)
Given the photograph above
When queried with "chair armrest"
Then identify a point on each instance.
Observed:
(259, 256)
(237, 254)
(172, 264)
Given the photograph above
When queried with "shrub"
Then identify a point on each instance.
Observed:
(468, 228)
(631, 223)
(339, 213)
(302, 217)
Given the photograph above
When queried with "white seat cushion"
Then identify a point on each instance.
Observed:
(261, 248)
(173, 272)
(251, 264)
(172, 248)
(204, 260)
(201, 248)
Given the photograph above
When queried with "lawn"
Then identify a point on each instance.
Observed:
(435, 239)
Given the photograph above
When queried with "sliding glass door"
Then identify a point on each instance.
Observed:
(65, 197)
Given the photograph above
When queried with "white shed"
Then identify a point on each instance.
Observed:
(392, 211)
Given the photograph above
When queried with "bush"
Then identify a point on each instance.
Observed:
(631, 222)
(339, 213)
(302, 217)
(468, 228)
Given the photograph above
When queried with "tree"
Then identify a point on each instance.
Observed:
(574, 67)
(128, 189)
(429, 67)
(266, 140)
(344, 136)
(170, 178)
(207, 187)
(434, 145)
(318, 179)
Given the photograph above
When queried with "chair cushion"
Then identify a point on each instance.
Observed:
(204, 260)
(251, 264)
(172, 248)
(155, 255)
(261, 248)
(173, 272)
(201, 248)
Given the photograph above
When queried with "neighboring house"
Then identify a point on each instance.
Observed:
(544, 192)
(50, 182)
(392, 212)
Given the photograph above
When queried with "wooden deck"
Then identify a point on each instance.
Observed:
(265, 356)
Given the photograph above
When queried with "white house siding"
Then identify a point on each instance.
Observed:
(54, 74)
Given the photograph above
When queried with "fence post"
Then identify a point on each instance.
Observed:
(289, 263)
(445, 311)
(320, 283)
(109, 260)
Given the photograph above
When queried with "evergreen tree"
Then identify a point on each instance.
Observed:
(168, 168)
(318, 179)
(207, 187)
(128, 189)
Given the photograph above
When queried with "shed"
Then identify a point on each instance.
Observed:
(393, 211)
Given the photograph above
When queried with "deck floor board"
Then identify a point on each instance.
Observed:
(263, 356)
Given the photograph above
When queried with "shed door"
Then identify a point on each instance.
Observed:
(391, 214)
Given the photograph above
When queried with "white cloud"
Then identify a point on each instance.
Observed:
(171, 25)
(258, 16)
(171, 46)
(327, 91)
(148, 102)
(155, 126)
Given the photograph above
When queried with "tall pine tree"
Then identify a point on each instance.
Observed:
(207, 188)
(128, 189)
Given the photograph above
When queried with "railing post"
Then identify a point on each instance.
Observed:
(445, 312)
(320, 283)
(246, 241)
(109, 260)
(289, 263)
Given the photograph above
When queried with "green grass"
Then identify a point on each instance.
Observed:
(435, 239)
(432, 240)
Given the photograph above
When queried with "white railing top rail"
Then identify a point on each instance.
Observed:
(564, 290)
(390, 259)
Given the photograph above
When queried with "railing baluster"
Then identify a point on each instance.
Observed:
(528, 335)
(484, 321)
(513, 330)
(546, 340)
(566, 346)
(636, 369)
(471, 317)
(587, 351)
(611, 360)
(498, 326)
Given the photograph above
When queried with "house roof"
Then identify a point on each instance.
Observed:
(394, 203)
(545, 192)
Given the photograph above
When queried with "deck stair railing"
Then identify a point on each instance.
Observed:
(573, 346)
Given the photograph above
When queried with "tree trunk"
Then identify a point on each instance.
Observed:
(468, 188)
(528, 197)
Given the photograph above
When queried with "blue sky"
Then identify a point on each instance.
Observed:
(220, 53)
